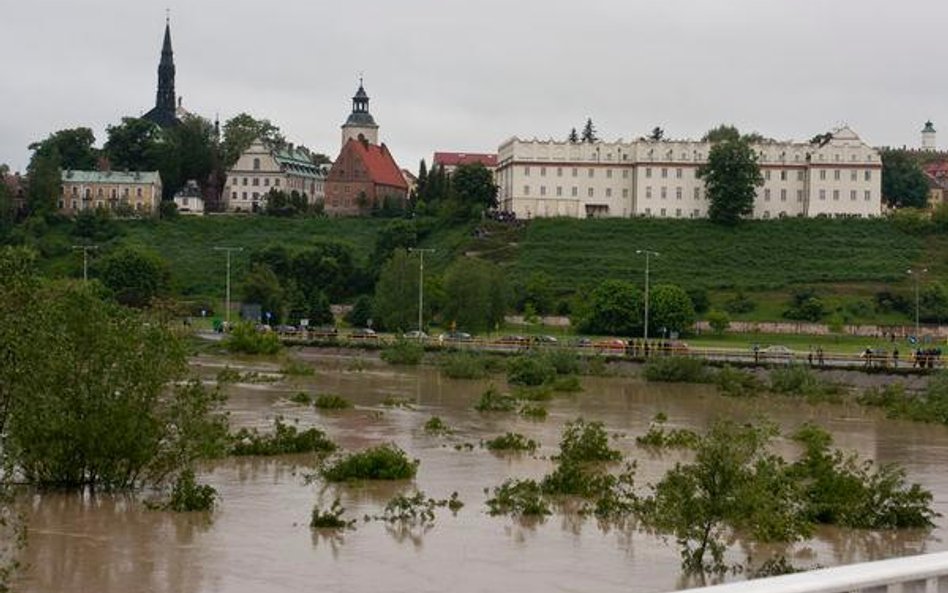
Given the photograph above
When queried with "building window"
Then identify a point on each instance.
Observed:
(590, 192)
(853, 175)
(822, 194)
(836, 195)
(559, 190)
(852, 195)
(868, 176)
(276, 182)
(664, 192)
(592, 173)
(677, 212)
(800, 175)
(608, 173)
(868, 195)
(256, 164)
(648, 191)
(766, 213)
(648, 172)
(678, 173)
(256, 195)
(245, 196)
(783, 195)
(266, 182)
(823, 174)
(662, 212)
(245, 181)
(256, 182)
(575, 191)
(799, 195)
(625, 192)
(664, 173)
(74, 204)
(836, 174)
(559, 171)
(625, 173)
(767, 174)
(783, 175)
(233, 195)
(767, 195)
(575, 171)
(608, 192)
(138, 192)
(526, 190)
(697, 193)
(526, 171)
(677, 193)
(648, 212)
(542, 171)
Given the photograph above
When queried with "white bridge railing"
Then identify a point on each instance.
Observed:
(927, 573)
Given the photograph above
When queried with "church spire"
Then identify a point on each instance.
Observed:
(164, 112)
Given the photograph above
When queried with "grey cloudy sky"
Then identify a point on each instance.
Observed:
(453, 75)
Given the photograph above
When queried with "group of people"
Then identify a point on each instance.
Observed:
(926, 358)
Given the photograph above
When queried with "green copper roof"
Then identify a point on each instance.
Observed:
(129, 177)
(928, 127)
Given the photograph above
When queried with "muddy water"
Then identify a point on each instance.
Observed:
(259, 539)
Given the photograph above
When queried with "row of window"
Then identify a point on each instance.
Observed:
(679, 193)
(574, 191)
(74, 204)
(254, 181)
(113, 194)
(783, 174)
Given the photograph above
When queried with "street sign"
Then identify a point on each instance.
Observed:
(304, 322)
(912, 340)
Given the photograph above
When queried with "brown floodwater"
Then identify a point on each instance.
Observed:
(259, 539)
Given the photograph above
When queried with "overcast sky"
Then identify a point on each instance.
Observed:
(465, 76)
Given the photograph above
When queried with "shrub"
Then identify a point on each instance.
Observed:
(739, 303)
(228, 375)
(800, 381)
(393, 401)
(331, 518)
(331, 401)
(675, 369)
(285, 439)
(189, 496)
(585, 442)
(658, 437)
(531, 370)
(493, 400)
(930, 405)
(569, 384)
(403, 352)
(436, 425)
(718, 321)
(533, 412)
(564, 360)
(533, 394)
(301, 397)
(295, 367)
(519, 498)
(737, 383)
(416, 509)
(384, 462)
(512, 441)
(464, 365)
(244, 338)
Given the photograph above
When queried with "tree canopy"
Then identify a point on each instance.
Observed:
(72, 147)
(475, 295)
(134, 276)
(396, 292)
(731, 177)
(589, 132)
(612, 308)
(241, 130)
(903, 181)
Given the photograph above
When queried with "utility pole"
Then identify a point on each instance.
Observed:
(85, 258)
(647, 253)
(421, 286)
(228, 251)
(915, 275)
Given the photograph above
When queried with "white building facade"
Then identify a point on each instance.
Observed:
(841, 177)
(260, 169)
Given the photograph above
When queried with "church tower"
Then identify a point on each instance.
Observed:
(163, 113)
(360, 122)
(928, 136)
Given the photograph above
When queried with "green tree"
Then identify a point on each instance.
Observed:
(7, 210)
(396, 293)
(573, 137)
(474, 189)
(45, 183)
(670, 308)
(134, 276)
(72, 148)
(397, 234)
(721, 133)
(475, 295)
(133, 145)
(657, 134)
(538, 292)
(933, 303)
(362, 312)
(613, 308)
(719, 321)
(241, 130)
(88, 402)
(589, 132)
(262, 287)
(731, 177)
(188, 151)
(903, 181)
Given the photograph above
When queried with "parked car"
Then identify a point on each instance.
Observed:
(415, 335)
(582, 343)
(544, 340)
(287, 329)
(363, 333)
(612, 345)
(455, 336)
(514, 340)
(776, 352)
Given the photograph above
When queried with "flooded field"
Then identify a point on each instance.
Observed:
(259, 539)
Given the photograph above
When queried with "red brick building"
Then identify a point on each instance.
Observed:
(363, 176)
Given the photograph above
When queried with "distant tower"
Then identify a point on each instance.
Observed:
(360, 121)
(928, 136)
(164, 112)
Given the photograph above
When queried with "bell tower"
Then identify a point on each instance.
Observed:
(360, 121)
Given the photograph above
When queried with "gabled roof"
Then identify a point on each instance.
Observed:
(381, 167)
(131, 177)
(454, 159)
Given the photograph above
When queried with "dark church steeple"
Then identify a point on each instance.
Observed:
(360, 122)
(164, 112)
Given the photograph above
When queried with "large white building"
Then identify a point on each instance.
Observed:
(260, 169)
(839, 177)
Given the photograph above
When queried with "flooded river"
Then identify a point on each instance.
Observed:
(258, 540)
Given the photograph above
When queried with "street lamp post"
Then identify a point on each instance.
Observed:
(421, 286)
(647, 253)
(228, 251)
(915, 275)
(85, 259)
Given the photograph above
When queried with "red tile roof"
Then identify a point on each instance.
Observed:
(382, 168)
(937, 169)
(454, 159)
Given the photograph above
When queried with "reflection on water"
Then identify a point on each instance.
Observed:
(259, 539)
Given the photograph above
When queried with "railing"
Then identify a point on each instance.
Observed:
(927, 573)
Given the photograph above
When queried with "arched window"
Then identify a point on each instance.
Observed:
(256, 164)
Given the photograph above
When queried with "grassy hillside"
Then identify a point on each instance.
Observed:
(757, 255)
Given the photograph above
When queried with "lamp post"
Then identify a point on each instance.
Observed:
(915, 275)
(648, 253)
(421, 286)
(228, 251)
(85, 259)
